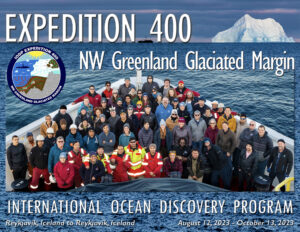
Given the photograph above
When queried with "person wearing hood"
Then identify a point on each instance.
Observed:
(17, 158)
(207, 116)
(247, 163)
(84, 127)
(163, 139)
(118, 163)
(195, 166)
(92, 95)
(212, 131)
(172, 166)
(200, 105)
(125, 88)
(152, 162)
(145, 136)
(50, 140)
(183, 113)
(229, 118)
(82, 116)
(182, 131)
(63, 130)
(54, 153)
(163, 111)
(107, 93)
(148, 86)
(149, 117)
(198, 128)
(172, 121)
(107, 139)
(93, 172)
(62, 114)
(263, 145)
(87, 106)
(113, 119)
(125, 137)
(73, 136)
(47, 124)
(90, 141)
(39, 161)
(64, 173)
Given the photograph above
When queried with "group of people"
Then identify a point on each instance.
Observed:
(152, 132)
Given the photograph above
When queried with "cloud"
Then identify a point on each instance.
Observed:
(275, 11)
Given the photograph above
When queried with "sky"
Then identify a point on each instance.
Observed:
(208, 16)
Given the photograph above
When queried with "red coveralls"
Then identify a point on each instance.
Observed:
(120, 172)
(64, 173)
(152, 164)
(76, 161)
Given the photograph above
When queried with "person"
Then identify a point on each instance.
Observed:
(54, 153)
(29, 144)
(120, 169)
(172, 121)
(181, 91)
(221, 109)
(152, 162)
(139, 111)
(157, 101)
(121, 122)
(125, 137)
(75, 159)
(62, 114)
(49, 140)
(134, 157)
(195, 166)
(125, 88)
(165, 88)
(62, 131)
(104, 108)
(212, 131)
(246, 166)
(247, 135)
(90, 141)
(182, 112)
(112, 102)
(182, 131)
(149, 117)
(87, 106)
(127, 102)
(93, 97)
(280, 162)
(107, 139)
(93, 172)
(189, 101)
(107, 92)
(163, 139)
(99, 120)
(83, 116)
(172, 95)
(207, 116)
(104, 158)
(148, 86)
(229, 118)
(64, 173)
(198, 128)
(119, 106)
(39, 162)
(200, 105)
(133, 118)
(113, 119)
(214, 109)
(226, 141)
(73, 136)
(17, 158)
(263, 145)
(146, 100)
(163, 111)
(183, 151)
(138, 97)
(172, 166)
(145, 136)
(215, 163)
(47, 124)
(84, 127)
(175, 103)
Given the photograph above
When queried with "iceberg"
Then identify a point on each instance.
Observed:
(249, 29)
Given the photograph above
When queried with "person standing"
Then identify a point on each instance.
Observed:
(118, 160)
(195, 166)
(198, 128)
(163, 139)
(62, 114)
(152, 162)
(29, 144)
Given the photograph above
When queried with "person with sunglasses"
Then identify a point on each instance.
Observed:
(107, 93)
(93, 96)
(247, 135)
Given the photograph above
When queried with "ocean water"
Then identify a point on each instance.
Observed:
(265, 97)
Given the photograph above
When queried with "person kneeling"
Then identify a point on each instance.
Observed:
(64, 173)
(172, 166)
(152, 163)
(93, 172)
(195, 166)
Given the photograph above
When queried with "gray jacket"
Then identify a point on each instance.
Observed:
(184, 132)
(197, 129)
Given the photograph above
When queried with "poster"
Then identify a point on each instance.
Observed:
(242, 54)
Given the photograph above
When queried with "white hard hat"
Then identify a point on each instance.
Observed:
(50, 130)
(52, 179)
(73, 126)
(40, 138)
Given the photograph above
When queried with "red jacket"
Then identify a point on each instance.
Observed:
(152, 164)
(120, 172)
(139, 112)
(76, 159)
(64, 173)
(211, 134)
(185, 90)
(95, 100)
(107, 94)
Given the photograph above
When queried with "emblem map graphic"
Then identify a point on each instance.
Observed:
(36, 74)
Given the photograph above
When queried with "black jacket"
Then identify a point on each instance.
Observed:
(245, 137)
(151, 118)
(48, 143)
(119, 127)
(96, 170)
(284, 164)
(60, 116)
(16, 156)
(63, 133)
(248, 165)
(39, 157)
(147, 87)
(196, 106)
(200, 166)
(214, 158)
(263, 145)
(184, 114)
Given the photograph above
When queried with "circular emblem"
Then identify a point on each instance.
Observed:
(36, 74)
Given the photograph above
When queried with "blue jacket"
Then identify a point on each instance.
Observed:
(89, 109)
(108, 146)
(169, 139)
(54, 157)
(124, 140)
(90, 144)
(71, 139)
(162, 112)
